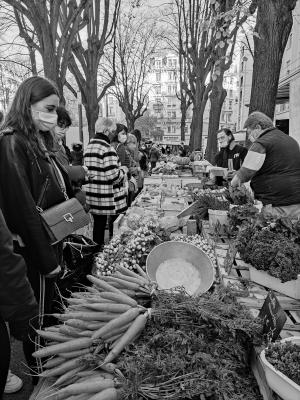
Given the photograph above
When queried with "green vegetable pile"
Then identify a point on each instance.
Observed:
(240, 215)
(272, 247)
(285, 357)
(193, 346)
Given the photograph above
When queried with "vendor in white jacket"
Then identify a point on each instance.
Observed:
(273, 166)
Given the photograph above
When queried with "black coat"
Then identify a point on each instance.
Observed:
(17, 301)
(27, 179)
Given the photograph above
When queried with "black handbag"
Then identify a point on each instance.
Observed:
(64, 218)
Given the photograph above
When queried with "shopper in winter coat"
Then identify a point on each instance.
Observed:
(77, 173)
(118, 140)
(105, 193)
(154, 156)
(77, 153)
(17, 302)
(29, 183)
(273, 166)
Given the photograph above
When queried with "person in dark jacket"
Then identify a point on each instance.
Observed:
(29, 184)
(273, 167)
(231, 154)
(17, 302)
(118, 140)
(153, 156)
(77, 153)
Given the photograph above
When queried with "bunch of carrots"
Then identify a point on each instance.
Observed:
(103, 319)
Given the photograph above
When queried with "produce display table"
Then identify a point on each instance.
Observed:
(232, 271)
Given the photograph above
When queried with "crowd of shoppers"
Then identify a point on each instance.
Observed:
(38, 171)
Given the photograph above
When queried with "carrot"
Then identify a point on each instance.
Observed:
(92, 326)
(126, 284)
(119, 298)
(136, 327)
(54, 362)
(70, 331)
(110, 307)
(119, 321)
(75, 344)
(67, 375)
(75, 353)
(107, 394)
(86, 316)
(142, 273)
(128, 272)
(113, 332)
(62, 368)
(57, 337)
(102, 285)
(88, 386)
(128, 292)
(139, 281)
(92, 290)
(108, 367)
(54, 328)
(76, 323)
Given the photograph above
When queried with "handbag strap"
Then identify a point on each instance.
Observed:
(59, 178)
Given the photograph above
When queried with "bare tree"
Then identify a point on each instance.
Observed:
(231, 16)
(54, 38)
(136, 42)
(274, 22)
(88, 48)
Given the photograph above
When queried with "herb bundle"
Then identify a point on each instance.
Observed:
(239, 195)
(193, 346)
(240, 215)
(267, 248)
(285, 357)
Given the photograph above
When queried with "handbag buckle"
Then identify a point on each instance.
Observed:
(68, 217)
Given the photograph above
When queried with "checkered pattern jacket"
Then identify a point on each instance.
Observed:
(105, 194)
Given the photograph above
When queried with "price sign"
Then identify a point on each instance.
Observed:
(273, 317)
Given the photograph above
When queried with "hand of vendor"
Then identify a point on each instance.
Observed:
(230, 174)
(235, 181)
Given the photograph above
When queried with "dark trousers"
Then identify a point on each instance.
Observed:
(112, 219)
(152, 164)
(99, 228)
(4, 355)
(34, 279)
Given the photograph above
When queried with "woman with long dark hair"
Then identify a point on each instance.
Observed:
(31, 180)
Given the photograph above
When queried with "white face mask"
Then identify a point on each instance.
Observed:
(44, 121)
(122, 137)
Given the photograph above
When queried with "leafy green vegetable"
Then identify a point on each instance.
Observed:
(285, 357)
(239, 215)
(193, 346)
(265, 248)
(238, 195)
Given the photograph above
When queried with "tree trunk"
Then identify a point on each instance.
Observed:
(217, 97)
(183, 108)
(91, 105)
(274, 22)
(51, 72)
(197, 127)
(130, 120)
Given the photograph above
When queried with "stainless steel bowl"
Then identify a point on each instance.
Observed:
(187, 252)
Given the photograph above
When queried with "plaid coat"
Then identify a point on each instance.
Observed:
(105, 194)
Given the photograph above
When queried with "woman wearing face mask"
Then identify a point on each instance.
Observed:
(29, 181)
(118, 140)
(231, 154)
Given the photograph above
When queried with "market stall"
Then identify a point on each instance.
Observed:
(131, 335)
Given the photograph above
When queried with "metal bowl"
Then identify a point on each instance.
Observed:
(187, 252)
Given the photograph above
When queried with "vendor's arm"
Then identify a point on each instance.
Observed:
(253, 162)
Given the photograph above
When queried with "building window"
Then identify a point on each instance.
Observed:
(169, 129)
(230, 93)
(157, 89)
(173, 114)
(223, 117)
(230, 105)
(110, 100)
(158, 63)
(169, 89)
(158, 76)
(169, 114)
(111, 111)
(229, 117)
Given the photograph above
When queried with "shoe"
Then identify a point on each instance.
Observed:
(13, 383)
